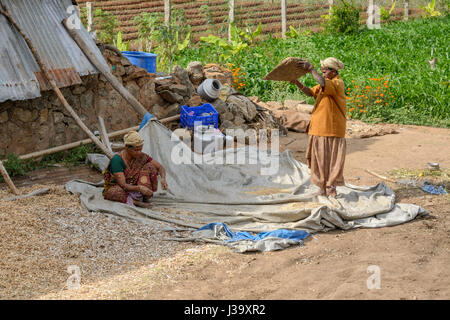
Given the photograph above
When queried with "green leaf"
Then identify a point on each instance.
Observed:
(185, 43)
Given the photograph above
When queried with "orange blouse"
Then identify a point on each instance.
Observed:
(328, 118)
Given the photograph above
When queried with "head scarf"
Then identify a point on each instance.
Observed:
(133, 139)
(332, 63)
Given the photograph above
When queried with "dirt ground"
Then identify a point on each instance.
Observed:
(411, 259)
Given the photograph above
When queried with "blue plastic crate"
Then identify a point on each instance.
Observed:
(188, 120)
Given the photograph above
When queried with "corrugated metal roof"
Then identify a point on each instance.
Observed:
(20, 77)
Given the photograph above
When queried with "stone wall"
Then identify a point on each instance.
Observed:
(33, 125)
(41, 123)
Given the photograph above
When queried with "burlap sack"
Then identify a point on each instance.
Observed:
(293, 120)
(287, 70)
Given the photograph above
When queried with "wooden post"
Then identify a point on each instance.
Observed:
(330, 3)
(138, 107)
(53, 85)
(104, 133)
(8, 179)
(283, 18)
(230, 18)
(90, 16)
(167, 11)
(406, 14)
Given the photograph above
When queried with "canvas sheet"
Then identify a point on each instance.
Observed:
(270, 191)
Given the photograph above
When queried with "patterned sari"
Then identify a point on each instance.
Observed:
(140, 171)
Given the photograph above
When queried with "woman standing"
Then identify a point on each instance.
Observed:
(132, 176)
(326, 143)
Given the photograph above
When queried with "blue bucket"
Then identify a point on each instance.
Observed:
(142, 59)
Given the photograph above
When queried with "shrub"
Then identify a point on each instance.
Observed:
(344, 18)
(369, 100)
(167, 41)
(104, 22)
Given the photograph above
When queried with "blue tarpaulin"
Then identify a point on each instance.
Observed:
(147, 117)
(432, 189)
(297, 235)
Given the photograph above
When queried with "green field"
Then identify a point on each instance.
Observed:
(414, 93)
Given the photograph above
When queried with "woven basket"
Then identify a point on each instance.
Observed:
(287, 70)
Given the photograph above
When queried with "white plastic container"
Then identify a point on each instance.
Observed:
(207, 139)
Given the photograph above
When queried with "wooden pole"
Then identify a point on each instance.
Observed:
(330, 3)
(75, 34)
(86, 141)
(55, 88)
(283, 18)
(167, 11)
(31, 194)
(90, 17)
(380, 176)
(406, 14)
(230, 18)
(8, 179)
(104, 133)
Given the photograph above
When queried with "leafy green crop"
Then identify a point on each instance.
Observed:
(399, 50)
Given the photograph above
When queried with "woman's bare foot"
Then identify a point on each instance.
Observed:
(331, 191)
(323, 192)
(147, 205)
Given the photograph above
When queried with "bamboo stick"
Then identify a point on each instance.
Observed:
(31, 194)
(8, 179)
(380, 176)
(86, 141)
(104, 133)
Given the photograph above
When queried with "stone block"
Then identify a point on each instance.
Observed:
(25, 115)
(171, 96)
(78, 90)
(226, 116)
(43, 116)
(87, 100)
(133, 88)
(173, 110)
(4, 116)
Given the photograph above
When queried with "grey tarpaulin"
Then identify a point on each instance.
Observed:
(245, 197)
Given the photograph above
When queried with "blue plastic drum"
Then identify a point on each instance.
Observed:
(144, 60)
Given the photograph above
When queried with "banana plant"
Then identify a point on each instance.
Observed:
(119, 44)
(430, 9)
(245, 35)
(293, 33)
(385, 14)
(229, 49)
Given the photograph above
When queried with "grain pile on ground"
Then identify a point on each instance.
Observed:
(42, 236)
(359, 129)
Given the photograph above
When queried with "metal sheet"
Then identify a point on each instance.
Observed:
(20, 77)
